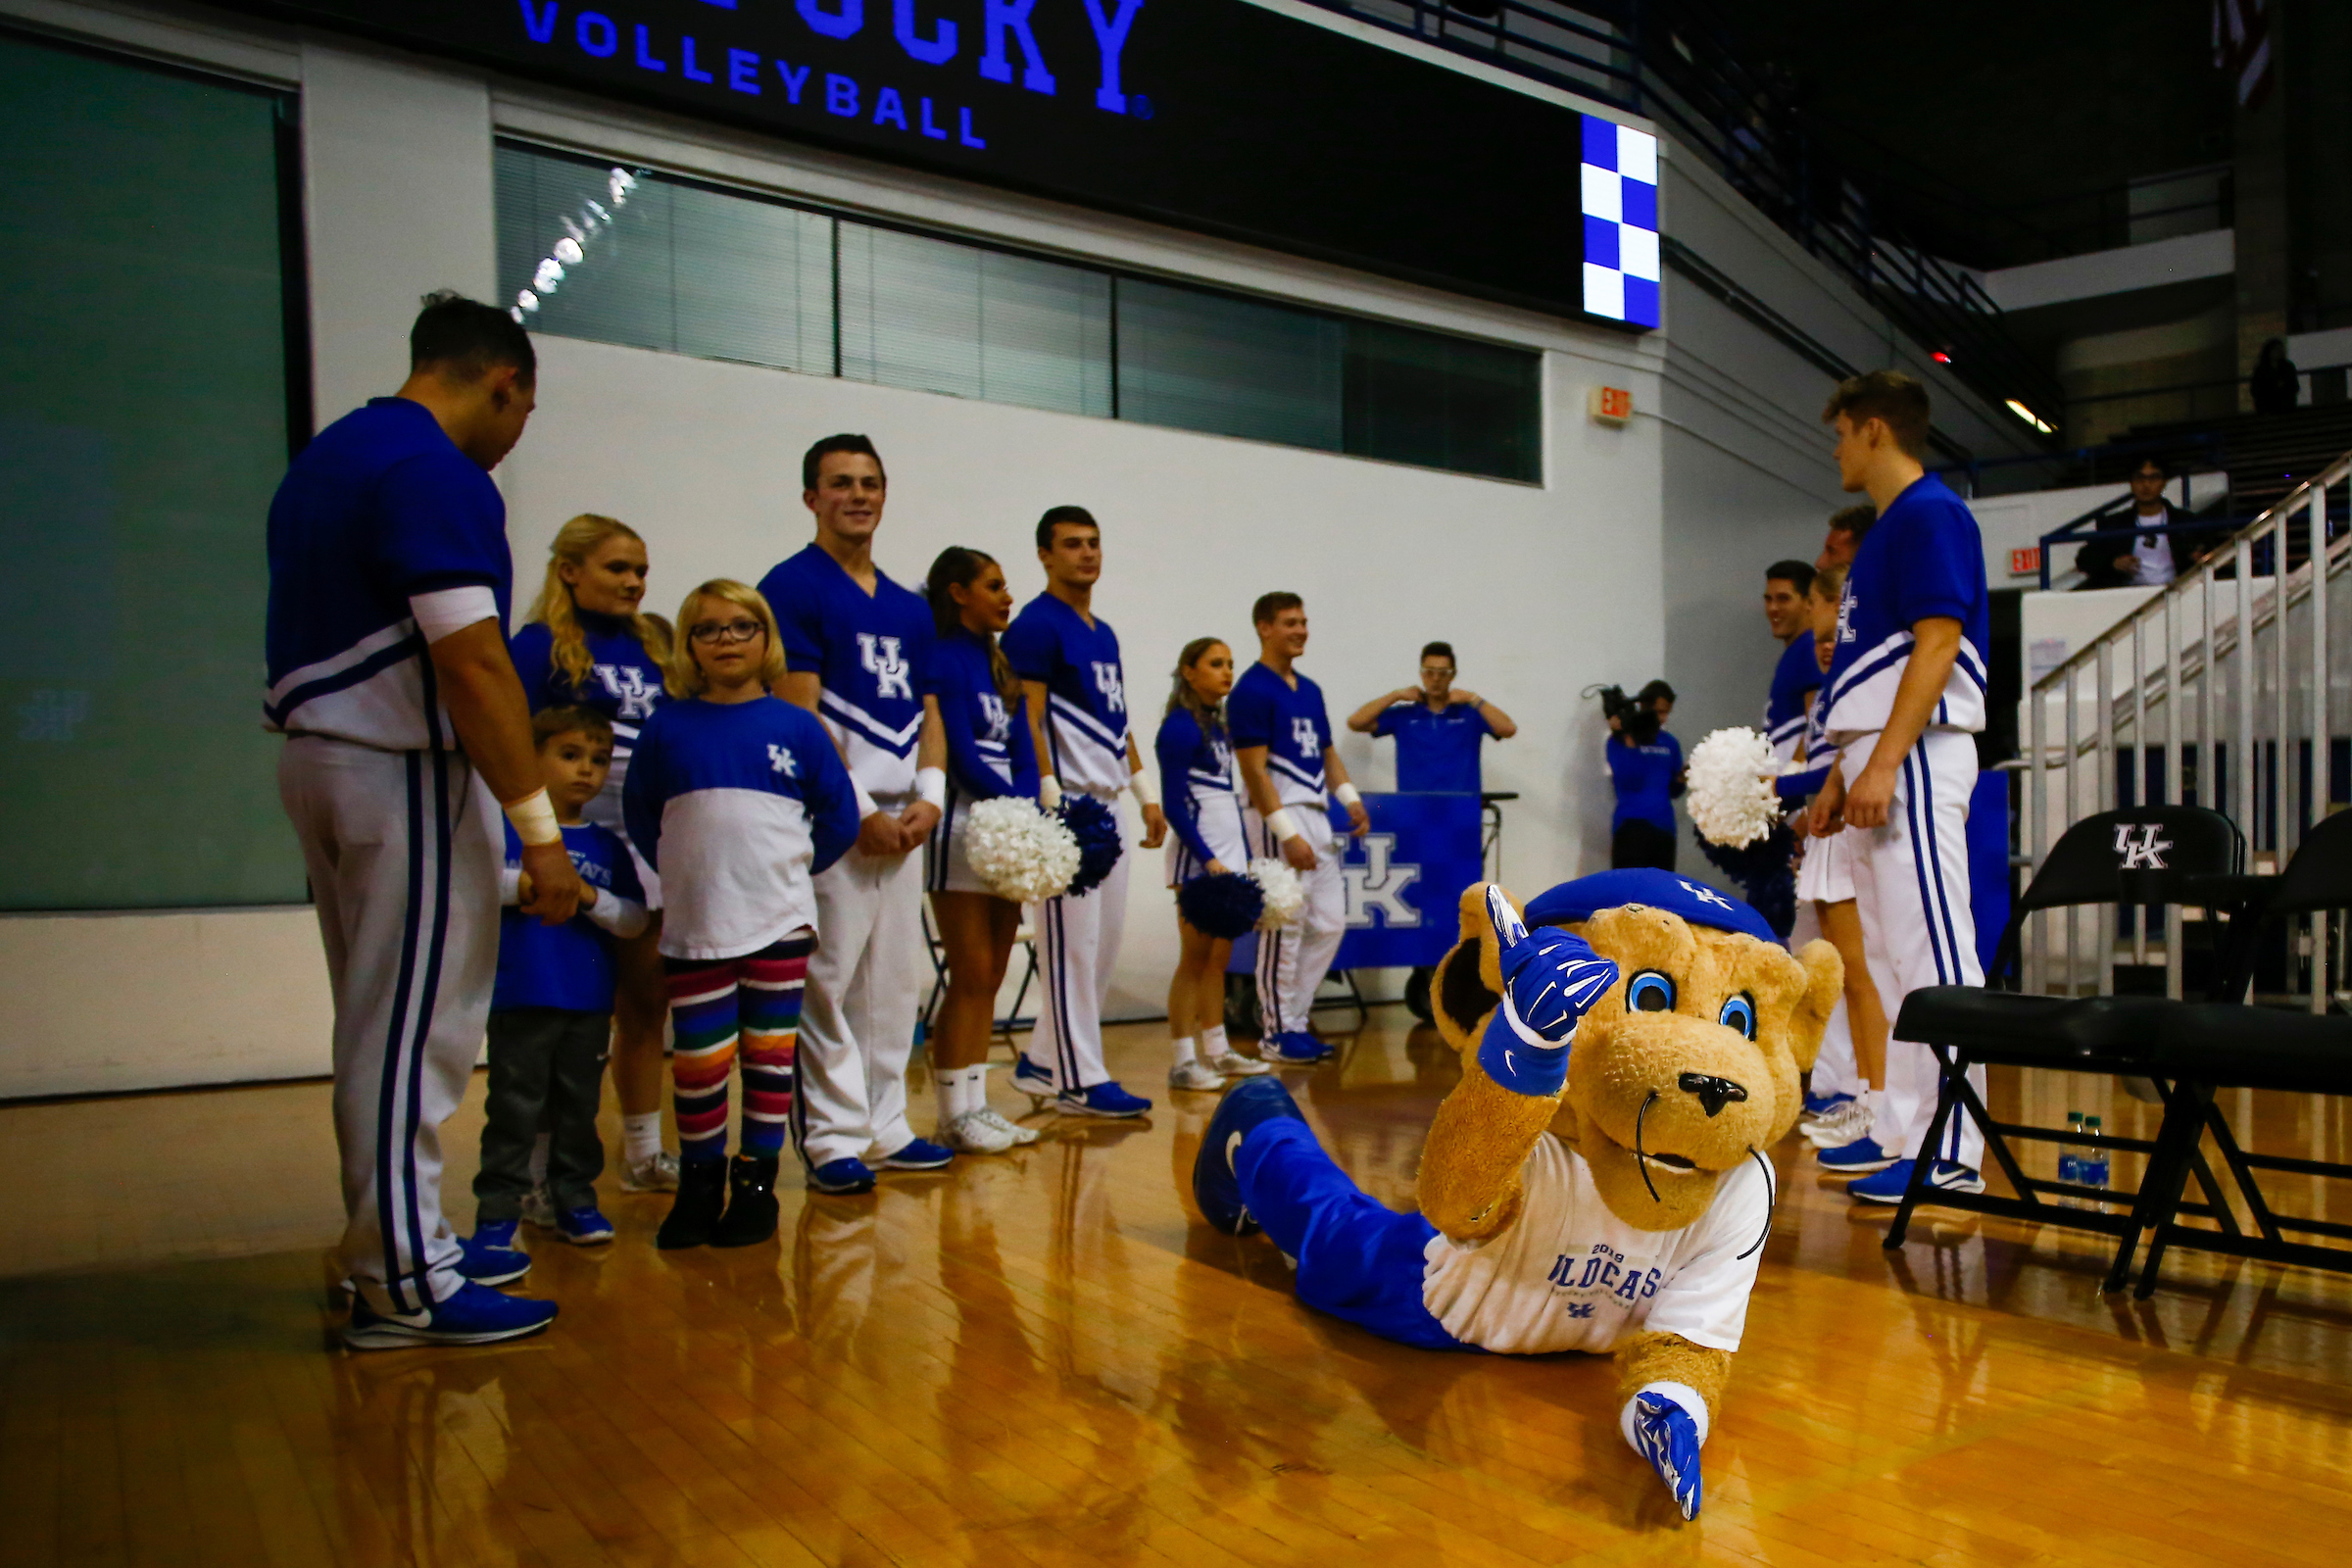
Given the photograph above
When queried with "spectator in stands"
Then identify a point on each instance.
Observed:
(1645, 766)
(2150, 559)
(1439, 727)
(2276, 384)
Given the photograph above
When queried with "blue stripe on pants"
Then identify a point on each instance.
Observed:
(1358, 1259)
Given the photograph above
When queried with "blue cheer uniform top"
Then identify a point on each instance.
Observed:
(1437, 750)
(1922, 560)
(990, 752)
(1645, 779)
(1795, 681)
(623, 683)
(1199, 791)
(1085, 691)
(1804, 776)
(569, 965)
(870, 650)
(738, 806)
(379, 508)
(1291, 724)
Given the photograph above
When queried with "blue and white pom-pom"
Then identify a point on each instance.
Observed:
(1020, 851)
(1223, 905)
(1097, 834)
(1732, 799)
(1284, 893)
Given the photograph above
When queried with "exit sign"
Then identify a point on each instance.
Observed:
(2026, 563)
(1612, 405)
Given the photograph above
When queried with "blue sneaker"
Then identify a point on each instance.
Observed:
(1102, 1099)
(583, 1226)
(1823, 1104)
(1857, 1158)
(475, 1315)
(1889, 1185)
(1247, 1104)
(1035, 1082)
(920, 1154)
(489, 1256)
(1297, 1045)
(842, 1176)
(1669, 1440)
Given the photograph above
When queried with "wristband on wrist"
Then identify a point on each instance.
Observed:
(1349, 795)
(534, 818)
(1283, 825)
(931, 786)
(1048, 792)
(1145, 787)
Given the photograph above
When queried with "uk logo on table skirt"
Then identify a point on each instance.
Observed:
(1404, 880)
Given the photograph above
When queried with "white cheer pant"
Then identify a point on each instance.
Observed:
(1077, 947)
(1834, 1070)
(403, 851)
(1293, 961)
(1918, 929)
(859, 1009)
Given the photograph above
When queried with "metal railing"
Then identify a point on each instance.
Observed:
(2217, 692)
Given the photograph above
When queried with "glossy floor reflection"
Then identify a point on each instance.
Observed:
(1039, 1358)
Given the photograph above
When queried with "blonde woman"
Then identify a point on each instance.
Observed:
(743, 799)
(588, 642)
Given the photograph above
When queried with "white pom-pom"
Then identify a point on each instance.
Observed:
(1731, 795)
(1017, 850)
(1284, 893)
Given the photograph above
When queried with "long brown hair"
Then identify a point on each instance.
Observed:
(573, 544)
(958, 566)
(1211, 716)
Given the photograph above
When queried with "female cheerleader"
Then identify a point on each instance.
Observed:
(990, 754)
(587, 643)
(1204, 810)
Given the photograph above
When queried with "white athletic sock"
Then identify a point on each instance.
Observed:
(539, 1148)
(1187, 1050)
(641, 1136)
(956, 1088)
(1881, 1124)
(975, 1087)
(1212, 1042)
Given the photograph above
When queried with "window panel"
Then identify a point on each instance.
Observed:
(1229, 366)
(1443, 401)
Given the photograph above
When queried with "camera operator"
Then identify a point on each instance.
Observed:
(1645, 766)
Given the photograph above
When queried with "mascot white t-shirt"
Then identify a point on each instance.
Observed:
(1569, 1275)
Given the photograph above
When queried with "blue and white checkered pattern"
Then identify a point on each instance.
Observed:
(1620, 176)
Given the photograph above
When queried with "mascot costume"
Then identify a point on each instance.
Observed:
(1596, 1181)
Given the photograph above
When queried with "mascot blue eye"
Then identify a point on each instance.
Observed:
(1740, 1014)
(1649, 992)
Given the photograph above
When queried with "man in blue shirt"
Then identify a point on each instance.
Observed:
(389, 581)
(1438, 727)
(1906, 689)
(1645, 767)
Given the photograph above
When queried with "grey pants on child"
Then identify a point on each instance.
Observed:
(546, 1070)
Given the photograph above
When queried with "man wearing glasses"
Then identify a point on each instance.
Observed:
(1438, 727)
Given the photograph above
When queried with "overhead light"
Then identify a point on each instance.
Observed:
(526, 301)
(551, 273)
(567, 251)
(1940, 358)
(2028, 416)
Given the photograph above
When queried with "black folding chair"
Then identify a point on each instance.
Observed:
(2140, 856)
(2223, 1045)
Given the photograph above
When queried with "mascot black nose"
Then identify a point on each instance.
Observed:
(1713, 1092)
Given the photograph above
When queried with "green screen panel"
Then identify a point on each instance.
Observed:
(143, 411)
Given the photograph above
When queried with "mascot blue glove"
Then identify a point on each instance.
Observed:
(1669, 1440)
(1550, 979)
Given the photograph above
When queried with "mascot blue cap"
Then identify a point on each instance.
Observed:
(1693, 900)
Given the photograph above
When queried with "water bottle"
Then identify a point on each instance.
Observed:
(2091, 1166)
(2070, 1164)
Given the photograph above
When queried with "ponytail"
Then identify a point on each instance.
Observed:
(960, 567)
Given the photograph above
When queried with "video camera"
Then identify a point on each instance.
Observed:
(1636, 720)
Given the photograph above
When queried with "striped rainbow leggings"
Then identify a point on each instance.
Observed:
(713, 1004)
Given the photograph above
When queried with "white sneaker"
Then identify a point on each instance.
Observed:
(1020, 1136)
(1840, 1127)
(1195, 1074)
(539, 1210)
(1233, 1064)
(655, 1173)
(970, 1134)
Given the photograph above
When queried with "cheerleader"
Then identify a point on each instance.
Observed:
(1204, 813)
(589, 643)
(990, 754)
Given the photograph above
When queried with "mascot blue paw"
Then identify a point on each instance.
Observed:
(1550, 976)
(1669, 1440)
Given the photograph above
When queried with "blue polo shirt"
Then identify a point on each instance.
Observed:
(1435, 752)
(1644, 780)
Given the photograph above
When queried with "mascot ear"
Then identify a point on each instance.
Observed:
(1468, 983)
(1825, 983)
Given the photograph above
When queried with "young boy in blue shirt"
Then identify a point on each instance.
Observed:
(551, 1015)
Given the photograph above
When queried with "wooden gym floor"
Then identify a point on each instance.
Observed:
(1039, 1358)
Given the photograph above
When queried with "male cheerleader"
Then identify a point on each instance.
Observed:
(857, 652)
(1281, 739)
(1068, 662)
(389, 581)
(1906, 694)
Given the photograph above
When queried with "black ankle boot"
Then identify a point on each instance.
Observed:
(694, 1214)
(751, 1202)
